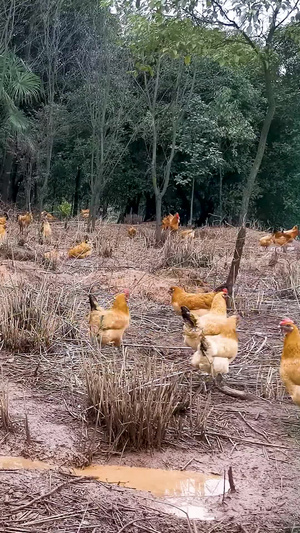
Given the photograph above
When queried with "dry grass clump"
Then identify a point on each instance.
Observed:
(30, 318)
(287, 279)
(136, 402)
(5, 420)
(269, 385)
(176, 252)
(19, 253)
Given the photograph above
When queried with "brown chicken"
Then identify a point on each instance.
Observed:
(281, 238)
(187, 234)
(82, 250)
(171, 222)
(217, 338)
(174, 222)
(166, 222)
(290, 359)
(194, 324)
(132, 232)
(46, 231)
(3, 219)
(266, 241)
(48, 216)
(109, 325)
(2, 232)
(193, 301)
(85, 213)
(24, 221)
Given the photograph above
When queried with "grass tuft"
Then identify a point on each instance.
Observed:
(136, 402)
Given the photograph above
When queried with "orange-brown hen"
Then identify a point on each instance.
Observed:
(290, 359)
(109, 325)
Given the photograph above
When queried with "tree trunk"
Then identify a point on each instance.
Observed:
(235, 265)
(248, 190)
(192, 203)
(6, 175)
(76, 192)
(220, 194)
(158, 201)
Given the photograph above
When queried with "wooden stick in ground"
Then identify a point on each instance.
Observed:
(230, 479)
(241, 395)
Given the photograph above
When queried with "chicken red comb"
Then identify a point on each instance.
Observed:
(126, 292)
(286, 321)
(177, 216)
(225, 291)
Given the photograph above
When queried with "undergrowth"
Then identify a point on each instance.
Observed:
(33, 318)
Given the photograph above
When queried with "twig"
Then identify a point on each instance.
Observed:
(230, 479)
(187, 464)
(252, 428)
(58, 487)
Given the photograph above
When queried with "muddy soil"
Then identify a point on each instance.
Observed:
(258, 438)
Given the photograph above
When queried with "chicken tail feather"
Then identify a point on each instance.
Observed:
(93, 302)
(187, 317)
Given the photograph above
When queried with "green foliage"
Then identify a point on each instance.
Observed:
(65, 209)
(211, 93)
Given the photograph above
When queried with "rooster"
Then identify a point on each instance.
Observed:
(171, 222)
(290, 359)
(166, 222)
(109, 325)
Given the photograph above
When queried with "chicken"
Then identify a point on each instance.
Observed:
(174, 222)
(48, 216)
(46, 231)
(131, 232)
(194, 325)
(216, 351)
(51, 258)
(294, 232)
(82, 250)
(3, 219)
(109, 325)
(266, 241)
(24, 221)
(213, 336)
(290, 359)
(187, 234)
(171, 222)
(3, 233)
(193, 301)
(85, 213)
(282, 238)
(165, 224)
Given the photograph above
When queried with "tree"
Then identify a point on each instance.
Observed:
(160, 49)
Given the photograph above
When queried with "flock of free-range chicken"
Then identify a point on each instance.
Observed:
(207, 329)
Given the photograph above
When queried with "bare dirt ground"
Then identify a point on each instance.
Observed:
(47, 399)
